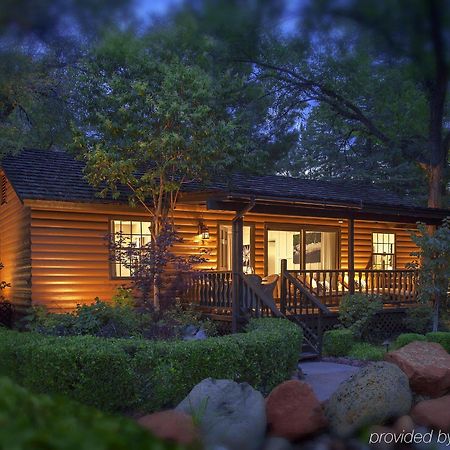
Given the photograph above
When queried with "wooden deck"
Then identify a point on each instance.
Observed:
(310, 298)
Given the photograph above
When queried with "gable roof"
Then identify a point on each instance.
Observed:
(56, 175)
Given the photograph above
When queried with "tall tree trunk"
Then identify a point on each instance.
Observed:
(435, 181)
(437, 88)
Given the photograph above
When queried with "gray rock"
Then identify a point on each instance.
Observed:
(230, 415)
(193, 333)
(371, 396)
(277, 443)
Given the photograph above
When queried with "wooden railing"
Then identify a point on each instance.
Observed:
(254, 301)
(214, 290)
(392, 286)
(299, 304)
(209, 289)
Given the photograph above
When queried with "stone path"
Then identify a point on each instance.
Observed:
(325, 377)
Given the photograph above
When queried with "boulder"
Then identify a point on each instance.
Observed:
(293, 411)
(172, 425)
(377, 392)
(427, 366)
(433, 413)
(230, 415)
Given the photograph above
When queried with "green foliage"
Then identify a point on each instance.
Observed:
(135, 374)
(366, 351)
(407, 338)
(434, 267)
(338, 342)
(419, 319)
(116, 320)
(99, 318)
(183, 317)
(154, 126)
(124, 297)
(30, 421)
(441, 337)
(357, 313)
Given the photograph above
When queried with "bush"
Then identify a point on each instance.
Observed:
(117, 320)
(441, 337)
(357, 313)
(30, 421)
(338, 342)
(366, 351)
(130, 374)
(407, 338)
(419, 319)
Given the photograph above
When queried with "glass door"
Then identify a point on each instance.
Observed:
(225, 248)
(283, 244)
(320, 250)
(302, 248)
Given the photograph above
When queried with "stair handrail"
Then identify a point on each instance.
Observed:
(262, 296)
(311, 298)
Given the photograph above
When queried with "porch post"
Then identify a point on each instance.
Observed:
(237, 269)
(351, 255)
(283, 290)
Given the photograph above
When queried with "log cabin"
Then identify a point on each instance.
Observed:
(321, 239)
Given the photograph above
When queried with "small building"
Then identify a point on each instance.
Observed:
(332, 237)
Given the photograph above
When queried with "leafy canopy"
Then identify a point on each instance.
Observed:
(153, 121)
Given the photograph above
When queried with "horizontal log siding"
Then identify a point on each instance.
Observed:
(70, 256)
(15, 249)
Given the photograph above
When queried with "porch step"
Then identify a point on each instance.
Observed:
(309, 355)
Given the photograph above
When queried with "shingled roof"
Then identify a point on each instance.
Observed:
(56, 175)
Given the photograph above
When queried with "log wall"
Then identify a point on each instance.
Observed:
(15, 248)
(69, 255)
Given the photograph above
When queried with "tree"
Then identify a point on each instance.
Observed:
(434, 267)
(381, 68)
(152, 123)
(37, 45)
(211, 33)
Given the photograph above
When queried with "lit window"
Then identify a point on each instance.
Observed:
(383, 251)
(128, 234)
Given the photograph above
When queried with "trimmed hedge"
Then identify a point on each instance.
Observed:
(441, 337)
(338, 342)
(136, 374)
(367, 352)
(30, 421)
(407, 338)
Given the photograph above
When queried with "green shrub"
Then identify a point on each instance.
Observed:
(366, 351)
(357, 313)
(441, 337)
(407, 338)
(419, 319)
(338, 342)
(30, 421)
(131, 374)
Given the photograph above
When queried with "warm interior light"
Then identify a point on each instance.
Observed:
(203, 231)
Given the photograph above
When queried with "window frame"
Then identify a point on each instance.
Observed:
(252, 226)
(302, 228)
(112, 263)
(394, 255)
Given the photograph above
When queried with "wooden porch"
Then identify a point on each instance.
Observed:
(310, 298)
(212, 290)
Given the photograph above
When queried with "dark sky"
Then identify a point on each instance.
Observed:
(147, 8)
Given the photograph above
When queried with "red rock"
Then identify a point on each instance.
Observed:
(433, 413)
(172, 425)
(293, 411)
(427, 366)
(403, 424)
